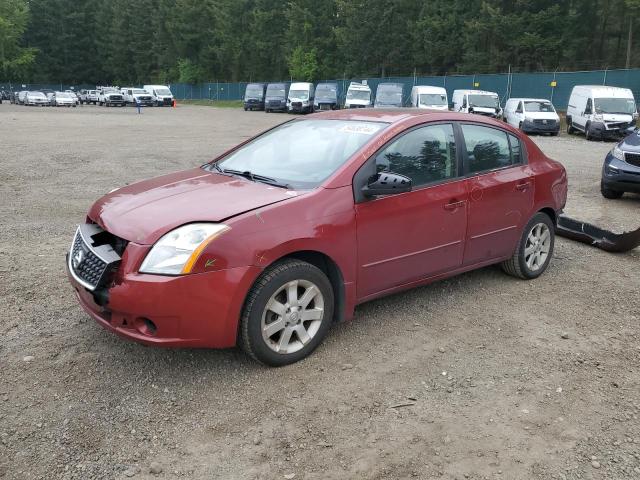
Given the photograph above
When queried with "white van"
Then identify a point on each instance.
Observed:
(477, 101)
(358, 96)
(532, 115)
(435, 98)
(601, 112)
(300, 98)
(162, 94)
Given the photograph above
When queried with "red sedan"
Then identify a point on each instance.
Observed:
(269, 244)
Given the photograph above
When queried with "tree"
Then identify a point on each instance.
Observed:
(15, 60)
(303, 65)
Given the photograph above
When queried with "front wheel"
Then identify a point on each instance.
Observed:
(570, 129)
(287, 313)
(610, 194)
(587, 132)
(535, 249)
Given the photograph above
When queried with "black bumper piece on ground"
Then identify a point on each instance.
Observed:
(592, 235)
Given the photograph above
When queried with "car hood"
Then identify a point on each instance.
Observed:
(485, 109)
(631, 143)
(144, 211)
(617, 117)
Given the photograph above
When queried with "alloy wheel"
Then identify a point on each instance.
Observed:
(537, 247)
(292, 317)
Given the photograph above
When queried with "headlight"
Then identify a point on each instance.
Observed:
(177, 252)
(598, 117)
(617, 153)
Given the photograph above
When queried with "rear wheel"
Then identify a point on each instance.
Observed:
(610, 194)
(535, 249)
(287, 313)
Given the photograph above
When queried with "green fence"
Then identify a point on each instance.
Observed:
(553, 86)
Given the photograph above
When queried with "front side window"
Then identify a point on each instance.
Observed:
(425, 155)
(487, 148)
(304, 153)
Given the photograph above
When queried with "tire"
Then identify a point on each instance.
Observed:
(522, 265)
(570, 129)
(273, 288)
(610, 194)
(587, 135)
(554, 134)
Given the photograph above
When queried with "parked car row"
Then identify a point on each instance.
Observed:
(598, 111)
(148, 96)
(44, 98)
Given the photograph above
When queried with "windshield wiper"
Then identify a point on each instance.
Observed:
(256, 178)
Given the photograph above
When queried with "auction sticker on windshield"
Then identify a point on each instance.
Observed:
(360, 128)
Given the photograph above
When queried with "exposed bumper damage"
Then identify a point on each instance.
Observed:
(597, 237)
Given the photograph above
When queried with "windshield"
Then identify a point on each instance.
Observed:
(433, 99)
(303, 153)
(484, 101)
(163, 91)
(626, 106)
(299, 94)
(275, 91)
(63, 95)
(326, 91)
(538, 107)
(358, 95)
(253, 91)
(389, 96)
(138, 92)
(37, 94)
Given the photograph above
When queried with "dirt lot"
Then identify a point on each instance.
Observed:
(491, 389)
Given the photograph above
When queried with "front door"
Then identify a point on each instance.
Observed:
(501, 188)
(410, 236)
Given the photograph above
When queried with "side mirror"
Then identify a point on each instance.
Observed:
(387, 183)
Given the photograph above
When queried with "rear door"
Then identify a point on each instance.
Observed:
(501, 192)
(406, 237)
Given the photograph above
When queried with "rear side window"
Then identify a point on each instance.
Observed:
(425, 155)
(489, 148)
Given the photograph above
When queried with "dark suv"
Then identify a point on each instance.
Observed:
(621, 170)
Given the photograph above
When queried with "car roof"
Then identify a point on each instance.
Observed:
(398, 116)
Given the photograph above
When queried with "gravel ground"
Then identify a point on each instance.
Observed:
(477, 377)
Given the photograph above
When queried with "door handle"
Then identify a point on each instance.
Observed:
(521, 187)
(454, 205)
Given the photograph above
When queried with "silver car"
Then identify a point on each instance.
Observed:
(63, 99)
(36, 99)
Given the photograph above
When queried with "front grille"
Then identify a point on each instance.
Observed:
(548, 123)
(115, 97)
(632, 158)
(618, 125)
(296, 104)
(94, 255)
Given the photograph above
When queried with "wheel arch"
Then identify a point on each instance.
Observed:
(330, 268)
(551, 213)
